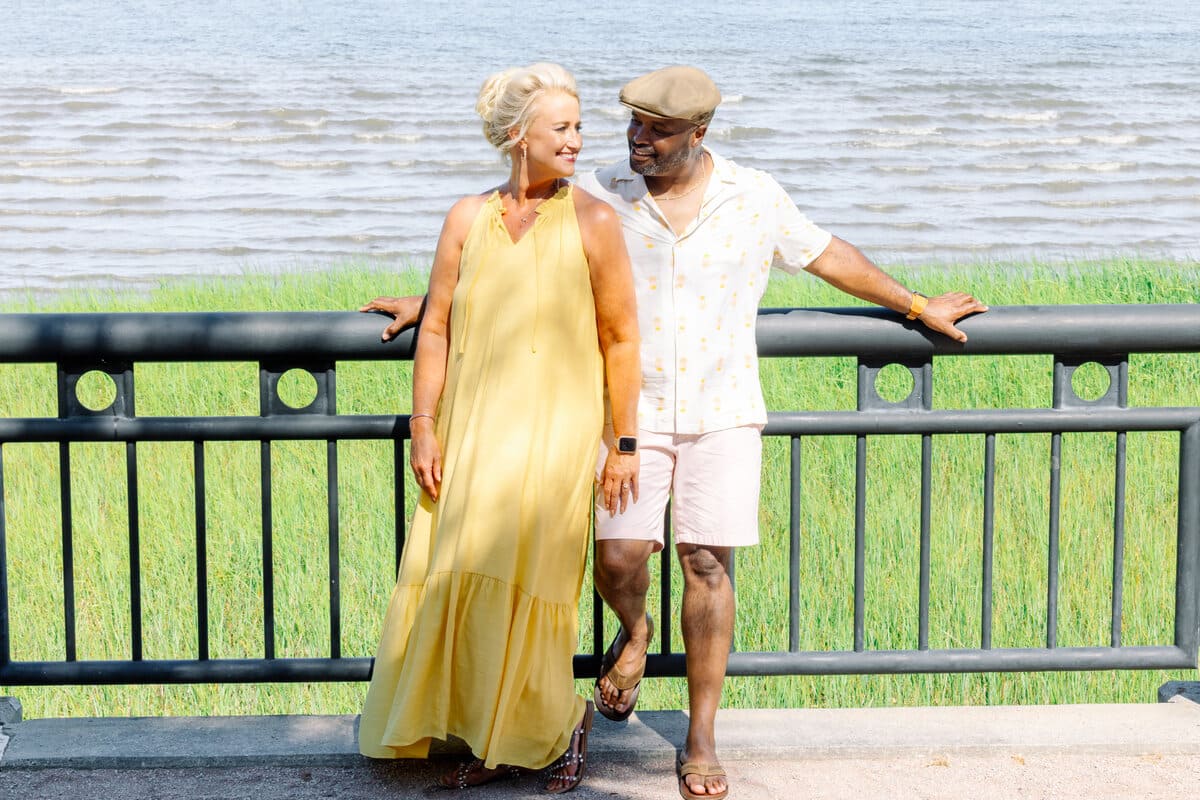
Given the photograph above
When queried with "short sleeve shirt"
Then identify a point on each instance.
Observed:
(698, 292)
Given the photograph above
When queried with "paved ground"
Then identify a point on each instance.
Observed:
(977, 777)
(1102, 751)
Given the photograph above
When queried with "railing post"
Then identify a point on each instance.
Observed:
(1187, 570)
(5, 647)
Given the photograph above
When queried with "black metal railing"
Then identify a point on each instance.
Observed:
(79, 344)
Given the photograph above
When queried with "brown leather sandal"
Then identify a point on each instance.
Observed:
(631, 683)
(703, 771)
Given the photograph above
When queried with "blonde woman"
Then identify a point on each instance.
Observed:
(530, 314)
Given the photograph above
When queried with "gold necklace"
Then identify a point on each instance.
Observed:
(695, 186)
(525, 219)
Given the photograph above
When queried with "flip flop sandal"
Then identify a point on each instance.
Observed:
(631, 683)
(701, 770)
(576, 756)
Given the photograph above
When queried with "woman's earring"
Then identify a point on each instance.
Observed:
(524, 149)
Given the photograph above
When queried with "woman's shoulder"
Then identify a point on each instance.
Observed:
(472, 202)
(591, 210)
(465, 209)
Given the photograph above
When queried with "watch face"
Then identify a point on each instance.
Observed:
(626, 444)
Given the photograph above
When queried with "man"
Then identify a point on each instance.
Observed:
(702, 235)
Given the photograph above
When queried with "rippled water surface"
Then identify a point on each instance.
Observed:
(145, 140)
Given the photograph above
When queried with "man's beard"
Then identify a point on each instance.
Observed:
(659, 165)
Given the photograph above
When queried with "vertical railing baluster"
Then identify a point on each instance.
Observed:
(268, 559)
(794, 549)
(5, 645)
(1118, 567)
(926, 490)
(266, 396)
(201, 501)
(68, 548)
(860, 542)
(664, 601)
(598, 646)
(989, 528)
(333, 497)
(1052, 555)
(135, 553)
(925, 376)
(335, 590)
(399, 470)
(1187, 548)
(731, 571)
(1119, 484)
(67, 526)
(1062, 393)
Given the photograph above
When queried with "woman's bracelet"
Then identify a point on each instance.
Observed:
(411, 417)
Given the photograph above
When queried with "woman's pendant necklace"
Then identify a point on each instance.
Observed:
(529, 214)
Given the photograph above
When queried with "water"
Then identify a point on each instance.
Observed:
(147, 140)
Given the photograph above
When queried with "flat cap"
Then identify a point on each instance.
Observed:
(672, 93)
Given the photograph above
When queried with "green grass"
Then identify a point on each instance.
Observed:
(166, 510)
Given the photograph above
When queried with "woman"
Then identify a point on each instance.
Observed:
(530, 312)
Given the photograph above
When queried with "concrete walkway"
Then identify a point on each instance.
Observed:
(1089, 751)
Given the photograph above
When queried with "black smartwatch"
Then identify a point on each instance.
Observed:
(626, 444)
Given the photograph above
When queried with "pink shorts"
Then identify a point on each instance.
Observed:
(712, 480)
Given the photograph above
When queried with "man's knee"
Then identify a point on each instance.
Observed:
(705, 566)
(619, 560)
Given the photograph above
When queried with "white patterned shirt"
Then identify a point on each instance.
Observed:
(698, 293)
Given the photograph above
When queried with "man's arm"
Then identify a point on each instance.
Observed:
(842, 265)
(406, 310)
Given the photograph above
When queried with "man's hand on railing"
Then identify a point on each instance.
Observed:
(406, 310)
(946, 309)
(844, 266)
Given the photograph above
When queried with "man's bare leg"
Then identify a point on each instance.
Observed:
(622, 578)
(708, 611)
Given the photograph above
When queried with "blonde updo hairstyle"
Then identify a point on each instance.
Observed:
(507, 98)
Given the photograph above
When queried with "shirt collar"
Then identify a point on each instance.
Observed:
(722, 169)
(625, 180)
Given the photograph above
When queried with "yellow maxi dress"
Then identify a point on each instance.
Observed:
(482, 624)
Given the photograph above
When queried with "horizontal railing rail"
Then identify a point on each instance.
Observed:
(1085, 330)
(1071, 336)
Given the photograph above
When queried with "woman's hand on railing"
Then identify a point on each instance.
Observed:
(406, 310)
(946, 309)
